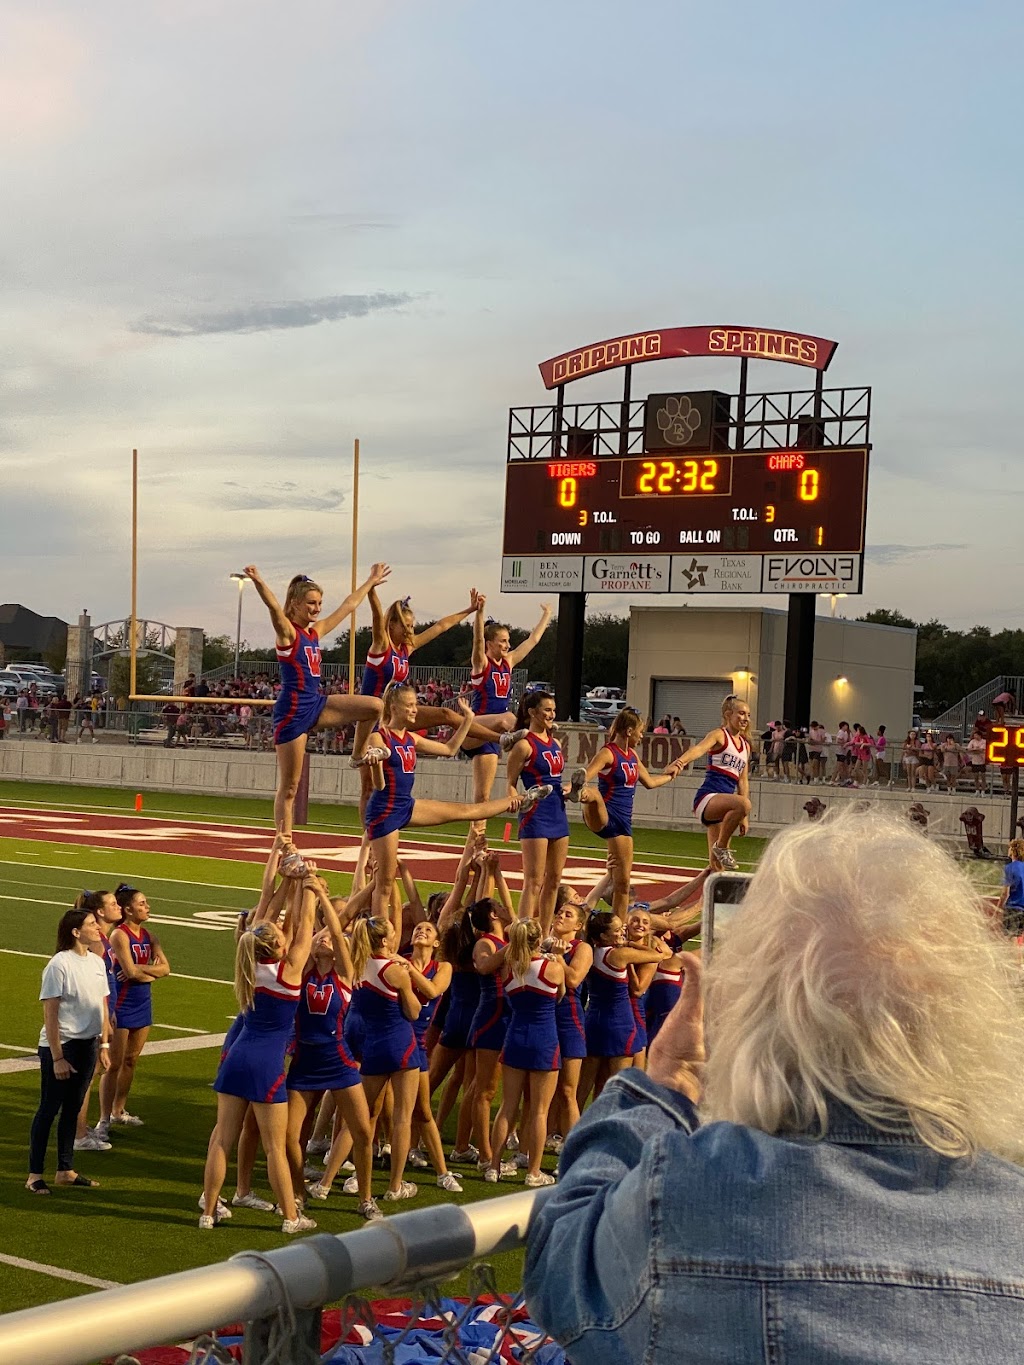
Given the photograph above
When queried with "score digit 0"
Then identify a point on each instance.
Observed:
(809, 482)
(567, 492)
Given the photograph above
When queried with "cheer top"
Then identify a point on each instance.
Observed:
(399, 767)
(140, 945)
(492, 688)
(381, 669)
(274, 1002)
(617, 784)
(323, 1003)
(547, 819)
(300, 662)
(726, 765)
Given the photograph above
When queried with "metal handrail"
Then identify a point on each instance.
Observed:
(407, 1247)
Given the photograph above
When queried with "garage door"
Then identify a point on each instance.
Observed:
(696, 701)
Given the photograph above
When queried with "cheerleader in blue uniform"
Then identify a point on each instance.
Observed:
(578, 957)
(452, 1050)
(430, 979)
(639, 935)
(534, 983)
(387, 1005)
(487, 1031)
(322, 1063)
(665, 989)
(301, 706)
(269, 963)
(139, 962)
(538, 761)
(722, 804)
(606, 788)
(391, 809)
(610, 1022)
(491, 683)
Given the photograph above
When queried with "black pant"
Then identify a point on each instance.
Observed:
(63, 1097)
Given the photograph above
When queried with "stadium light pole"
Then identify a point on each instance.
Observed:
(241, 579)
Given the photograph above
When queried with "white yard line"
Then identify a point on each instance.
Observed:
(12, 1064)
(58, 1272)
(13, 1047)
(175, 976)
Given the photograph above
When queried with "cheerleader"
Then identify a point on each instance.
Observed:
(491, 681)
(487, 1031)
(578, 958)
(323, 1064)
(430, 979)
(722, 802)
(301, 707)
(606, 788)
(452, 1052)
(638, 935)
(391, 809)
(665, 988)
(534, 983)
(269, 962)
(611, 1025)
(389, 1053)
(140, 962)
(543, 827)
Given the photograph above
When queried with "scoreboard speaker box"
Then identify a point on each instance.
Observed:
(687, 421)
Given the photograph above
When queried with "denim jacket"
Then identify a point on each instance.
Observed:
(665, 1241)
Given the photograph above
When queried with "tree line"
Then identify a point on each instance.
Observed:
(952, 663)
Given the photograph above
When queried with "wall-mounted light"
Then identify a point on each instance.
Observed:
(841, 680)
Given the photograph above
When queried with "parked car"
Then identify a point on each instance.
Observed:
(26, 677)
(9, 683)
(600, 710)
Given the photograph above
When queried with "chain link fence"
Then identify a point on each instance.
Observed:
(273, 1302)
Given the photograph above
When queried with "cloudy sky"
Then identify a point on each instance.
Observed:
(237, 234)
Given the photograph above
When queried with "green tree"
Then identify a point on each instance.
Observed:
(147, 675)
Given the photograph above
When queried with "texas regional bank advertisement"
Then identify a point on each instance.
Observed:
(688, 573)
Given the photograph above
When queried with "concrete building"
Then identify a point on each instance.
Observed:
(684, 660)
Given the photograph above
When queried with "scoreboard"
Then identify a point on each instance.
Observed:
(785, 520)
(1005, 747)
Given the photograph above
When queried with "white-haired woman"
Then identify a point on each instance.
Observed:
(851, 1189)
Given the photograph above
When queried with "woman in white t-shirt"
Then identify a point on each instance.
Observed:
(76, 1027)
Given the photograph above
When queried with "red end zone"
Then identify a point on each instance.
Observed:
(430, 862)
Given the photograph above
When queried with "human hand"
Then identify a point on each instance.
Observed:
(676, 1056)
(481, 601)
(105, 1058)
(62, 1069)
(465, 710)
(252, 573)
(379, 573)
(514, 800)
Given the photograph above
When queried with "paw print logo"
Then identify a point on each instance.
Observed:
(678, 420)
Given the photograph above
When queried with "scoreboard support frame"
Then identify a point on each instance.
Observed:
(742, 344)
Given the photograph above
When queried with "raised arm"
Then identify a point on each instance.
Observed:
(517, 655)
(479, 660)
(446, 622)
(379, 573)
(284, 631)
(342, 957)
(380, 640)
(302, 926)
(453, 903)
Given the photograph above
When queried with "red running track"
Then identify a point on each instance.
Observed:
(430, 862)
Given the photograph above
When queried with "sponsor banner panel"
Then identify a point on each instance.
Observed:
(542, 573)
(811, 573)
(622, 573)
(716, 573)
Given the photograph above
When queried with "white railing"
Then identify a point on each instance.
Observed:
(278, 1294)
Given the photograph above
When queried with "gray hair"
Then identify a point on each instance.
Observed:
(863, 967)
